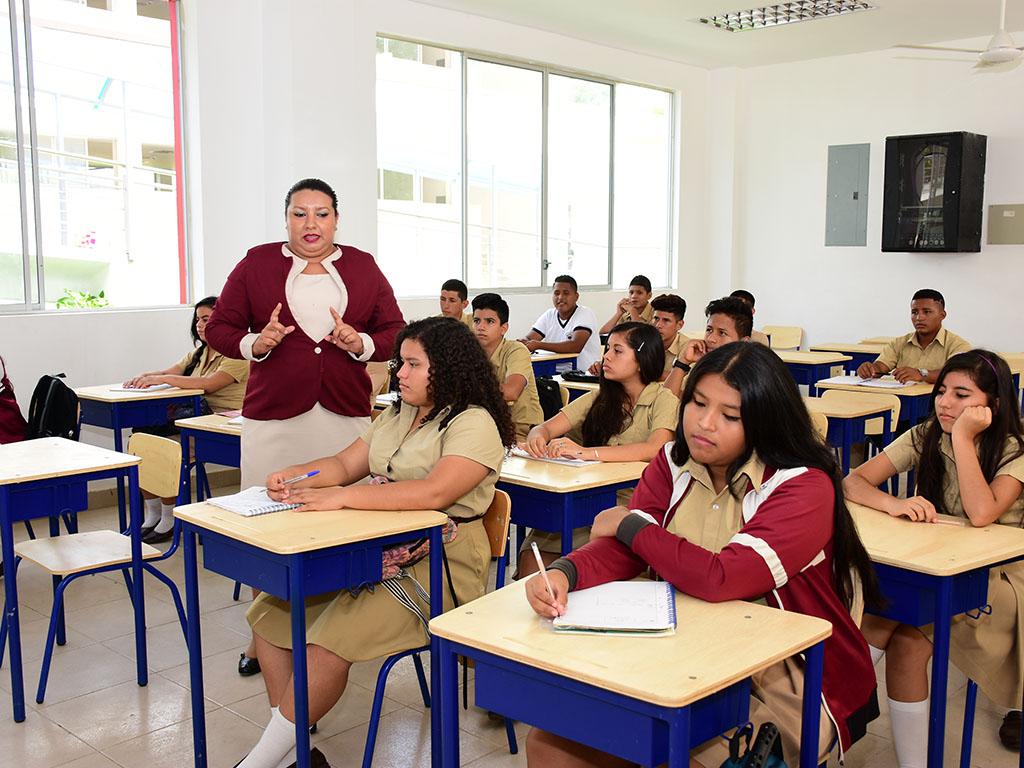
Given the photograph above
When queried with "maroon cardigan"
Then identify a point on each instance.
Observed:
(301, 372)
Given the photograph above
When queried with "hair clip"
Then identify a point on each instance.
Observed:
(641, 346)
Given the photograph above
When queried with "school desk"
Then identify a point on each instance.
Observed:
(42, 478)
(846, 420)
(210, 439)
(883, 340)
(647, 700)
(125, 409)
(550, 363)
(859, 353)
(915, 399)
(294, 555)
(930, 573)
(577, 388)
(559, 498)
(808, 367)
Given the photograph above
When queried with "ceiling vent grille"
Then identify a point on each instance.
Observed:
(783, 13)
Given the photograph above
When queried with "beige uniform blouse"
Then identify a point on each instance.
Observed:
(656, 408)
(230, 397)
(512, 357)
(906, 351)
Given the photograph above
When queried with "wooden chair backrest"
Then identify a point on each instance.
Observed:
(160, 470)
(820, 423)
(496, 522)
(564, 392)
(784, 336)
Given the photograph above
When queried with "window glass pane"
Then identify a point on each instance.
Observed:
(12, 281)
(419, 179)
(643, 177)
(579, 127)
(104, 113)
(504, 160)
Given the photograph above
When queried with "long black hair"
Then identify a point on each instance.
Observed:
(777, 425)
(991, 375)
(611, 409)
(211, 302)
(460, 373)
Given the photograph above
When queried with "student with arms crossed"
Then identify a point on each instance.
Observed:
(511, 361)
(969, 458)
(454, 300)
(729, 319)
(635, 307)
(568, 327)
(918, 356)
(668, 311)
(629, 418)
(439, 447)
(746, 504)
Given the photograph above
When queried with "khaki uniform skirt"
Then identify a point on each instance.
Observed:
(373, 624)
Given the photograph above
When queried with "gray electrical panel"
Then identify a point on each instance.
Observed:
(846, 207)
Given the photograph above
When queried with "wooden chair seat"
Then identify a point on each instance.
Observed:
(65, 555)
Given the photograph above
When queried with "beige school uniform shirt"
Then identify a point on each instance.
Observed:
(230, 397)
(646, 315)
(989, 649)
(467, 319)
(673, 351)
(512, 357)
(906, 351)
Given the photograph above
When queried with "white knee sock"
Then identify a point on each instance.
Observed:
(166, 518)
(277, 739)
(876, 654)
(910, 732)
(152, 513)
(288, 759)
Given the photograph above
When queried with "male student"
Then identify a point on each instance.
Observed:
(635, 307)
(454, 295)
(511, 361)
(568, 327)
(748, 297)
(667, 313)
(729, 320)
(919, 356)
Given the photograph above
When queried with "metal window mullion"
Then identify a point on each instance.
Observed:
(34, 149)
(611, 186)
(464, 88)
(543, 179)
(19, 152)
(672, 213)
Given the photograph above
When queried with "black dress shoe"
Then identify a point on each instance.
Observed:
(145, 530)
(316, 760)
(1009, 731)
(158, 538)
(247, 666)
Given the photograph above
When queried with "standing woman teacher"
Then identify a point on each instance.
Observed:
(309, 314)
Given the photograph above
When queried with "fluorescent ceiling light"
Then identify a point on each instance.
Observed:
(783, 13)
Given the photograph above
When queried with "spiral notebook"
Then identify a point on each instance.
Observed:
(251, 502)
(642, 608)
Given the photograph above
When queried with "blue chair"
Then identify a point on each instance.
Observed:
(496, 522)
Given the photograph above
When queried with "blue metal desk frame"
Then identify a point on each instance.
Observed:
(212, 447)
(294, 577)
(116, 416)
(549, 367)
(810, 373)
(47, 498)
(635, 730)
(919, 599)
(844, 432)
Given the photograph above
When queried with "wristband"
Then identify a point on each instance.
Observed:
(681, 366)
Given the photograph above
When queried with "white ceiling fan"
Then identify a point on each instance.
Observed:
(999, 55)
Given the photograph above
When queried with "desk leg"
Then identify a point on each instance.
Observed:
(810, 725)
(439, 657)
(679, 739)
(141, 661)
(446, 703)
(61, 635)
(300, 678)
(11, 606)
(940, 672)
(115, 422)
(566, 523)
(185, 489)
(847, 445)
(195, 650)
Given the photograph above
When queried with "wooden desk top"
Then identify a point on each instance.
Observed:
(103, 394)
(914, 390)
(561, 478)
(291, 532)
(862, 348)
(939, 550)
(582, 386)
(56, 457)
(883, 340)
(845, 408)
(542, 355)
(715, 645)
(814, 358)
(211, 423)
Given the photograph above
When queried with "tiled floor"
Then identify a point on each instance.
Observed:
(95, 716)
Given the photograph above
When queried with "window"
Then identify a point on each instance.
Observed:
(508, 174)
(90, 211)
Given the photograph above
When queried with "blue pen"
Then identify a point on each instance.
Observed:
(306, 476)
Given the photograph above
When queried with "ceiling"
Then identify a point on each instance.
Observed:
(668, 28)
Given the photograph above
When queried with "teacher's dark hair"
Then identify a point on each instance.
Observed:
(211, 302)
(778, 427)
(316, 185)
(460, 373)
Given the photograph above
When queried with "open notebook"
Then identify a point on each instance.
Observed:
(643, 608)
(151, 388)
(886, 382)
(517, 451)
(251, 502)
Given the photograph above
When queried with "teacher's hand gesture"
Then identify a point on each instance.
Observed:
(344, 336)
(273, 333)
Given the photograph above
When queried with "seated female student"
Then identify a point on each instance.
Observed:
(222, 380)
(439, 447)
(969, 458)
(746, 504)
(629, 418)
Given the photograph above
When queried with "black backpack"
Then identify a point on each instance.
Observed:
(53, 410)
(550, 396)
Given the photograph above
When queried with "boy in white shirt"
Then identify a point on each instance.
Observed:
(568, 327)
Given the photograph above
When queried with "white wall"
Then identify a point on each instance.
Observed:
(787, 115)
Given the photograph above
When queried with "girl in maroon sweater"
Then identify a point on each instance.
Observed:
(746, 504)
